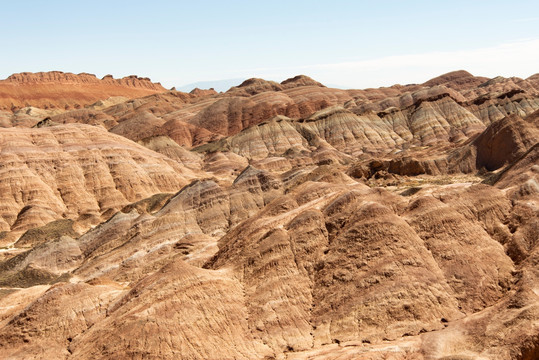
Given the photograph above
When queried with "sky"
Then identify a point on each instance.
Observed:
(350, 44)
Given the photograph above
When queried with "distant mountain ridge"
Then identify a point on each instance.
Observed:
(217, 85)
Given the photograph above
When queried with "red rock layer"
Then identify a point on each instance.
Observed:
(57, 89)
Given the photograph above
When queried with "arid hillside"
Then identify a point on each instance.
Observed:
(271, 221)
(58, 90)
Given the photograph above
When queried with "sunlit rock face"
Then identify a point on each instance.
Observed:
(272, 221)
(59, 90)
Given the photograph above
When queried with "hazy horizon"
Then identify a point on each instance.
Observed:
(340, 43)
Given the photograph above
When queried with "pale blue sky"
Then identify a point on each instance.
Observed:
(351, 43)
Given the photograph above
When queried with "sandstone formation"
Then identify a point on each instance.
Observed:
(72, 171)
(55, 89)
(274, 221)
(458, 80)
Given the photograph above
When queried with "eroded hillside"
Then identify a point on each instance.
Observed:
(275, 221)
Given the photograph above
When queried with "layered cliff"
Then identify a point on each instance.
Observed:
(59, 90)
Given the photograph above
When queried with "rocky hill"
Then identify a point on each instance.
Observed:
(59, 90)
(274, 221)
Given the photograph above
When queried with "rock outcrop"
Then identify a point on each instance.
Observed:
(59, 90)
(274, 221)
(72, 171)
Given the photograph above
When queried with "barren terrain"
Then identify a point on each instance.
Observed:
(271, 221)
